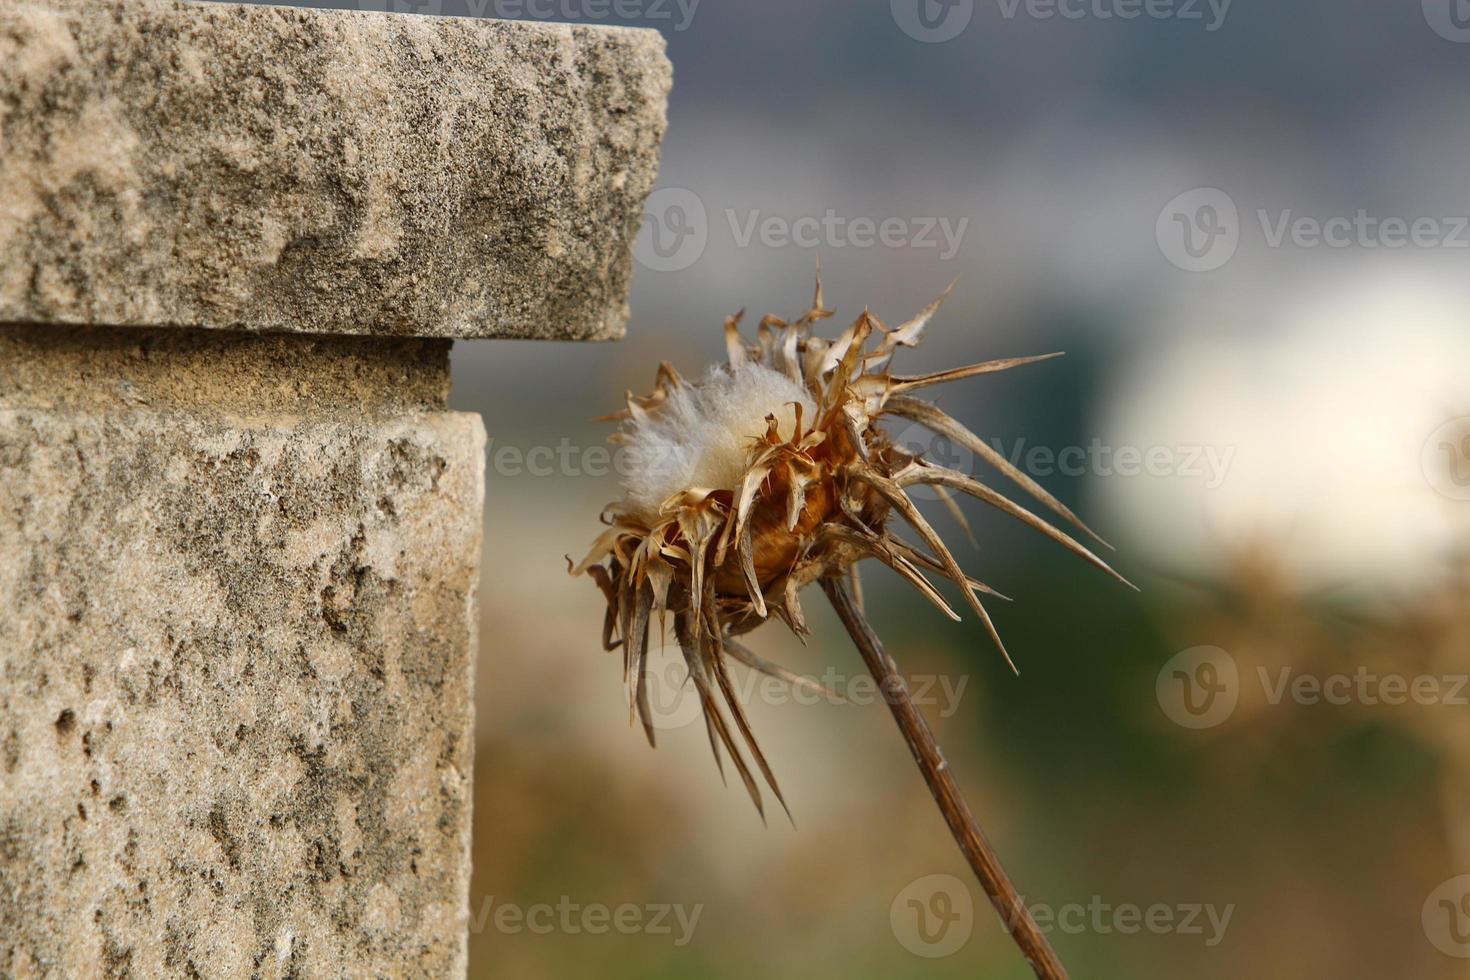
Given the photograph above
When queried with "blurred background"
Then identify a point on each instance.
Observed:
(1246, 224)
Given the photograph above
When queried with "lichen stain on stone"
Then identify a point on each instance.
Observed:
(257, 755)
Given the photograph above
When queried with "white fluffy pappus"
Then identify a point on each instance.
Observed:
(702, 435)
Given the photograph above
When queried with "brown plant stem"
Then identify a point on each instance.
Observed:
(987, 867)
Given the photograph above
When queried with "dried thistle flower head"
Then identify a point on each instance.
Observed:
(772, 472)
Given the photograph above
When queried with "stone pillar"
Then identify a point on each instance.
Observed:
(239, 529)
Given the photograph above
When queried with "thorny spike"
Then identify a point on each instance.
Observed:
(732, 698)
(734, 347)
(901, 385)
(936, 421)
(878, 548)
(908, 333)
(737, 710)
(645, 711)
(819, 309)
(637, 646)
(918, 557)
(947, 499)
(747, 571)
(749, 658)
(929, 473)
(790, 610)
(900, 501)
(688, 646)
(697, 658)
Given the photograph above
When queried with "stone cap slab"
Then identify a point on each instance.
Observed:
(260, 168)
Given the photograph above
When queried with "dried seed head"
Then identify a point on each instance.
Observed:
(770, 473)
(702, 434)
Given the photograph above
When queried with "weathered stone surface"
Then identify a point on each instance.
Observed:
(109, 368)
(321, 171)
(235, 663)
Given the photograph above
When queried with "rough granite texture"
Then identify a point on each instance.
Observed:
(321, 171)
(236, 656)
